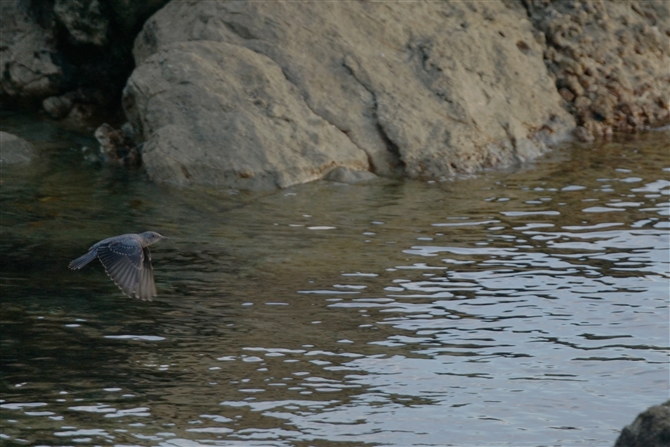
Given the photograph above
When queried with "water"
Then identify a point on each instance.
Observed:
(525, 307)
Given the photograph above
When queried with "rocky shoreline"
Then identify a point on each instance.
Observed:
(265, 95)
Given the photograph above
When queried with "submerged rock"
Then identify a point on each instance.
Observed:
(651, 428)
(15, 150)
(422, 90)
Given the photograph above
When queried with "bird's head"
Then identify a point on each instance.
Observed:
(150, 237)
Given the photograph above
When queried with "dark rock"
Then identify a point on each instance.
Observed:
(117, 147)
(651, 428)
(84, 19)
(81, 116)
(130, 14)
(57, 107)
(82, 110)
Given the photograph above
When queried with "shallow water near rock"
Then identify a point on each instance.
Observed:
(523, 307)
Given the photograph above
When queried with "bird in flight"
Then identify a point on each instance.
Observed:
(127, 261)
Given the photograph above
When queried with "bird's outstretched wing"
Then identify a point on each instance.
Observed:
(147, 288)
(124, 262)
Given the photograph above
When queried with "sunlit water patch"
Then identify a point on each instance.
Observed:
(525, 307)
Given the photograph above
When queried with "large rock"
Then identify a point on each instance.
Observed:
(15, 150)
(611, 61)
(420, 89)
(651, 428)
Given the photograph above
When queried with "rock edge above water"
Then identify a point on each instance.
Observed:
(257, 94)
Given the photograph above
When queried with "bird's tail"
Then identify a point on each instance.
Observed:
(83, 260)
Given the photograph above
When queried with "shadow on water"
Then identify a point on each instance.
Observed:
(519, 307)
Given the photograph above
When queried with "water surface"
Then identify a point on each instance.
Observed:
(523, 307)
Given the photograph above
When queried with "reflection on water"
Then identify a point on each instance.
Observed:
(527, 307)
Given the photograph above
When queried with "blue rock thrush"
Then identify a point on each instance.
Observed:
(127, 261)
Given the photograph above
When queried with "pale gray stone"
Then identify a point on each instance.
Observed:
(219, 114)
(15, 150)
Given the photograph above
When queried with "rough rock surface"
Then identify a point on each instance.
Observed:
(26, 54)
(420, 89)
(651, 428)
(611, 61)
(15, 150)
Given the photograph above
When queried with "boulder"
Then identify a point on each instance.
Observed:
(15, 150)
(423, 90)
(116, 146)
(219, 114)
(651, 428)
